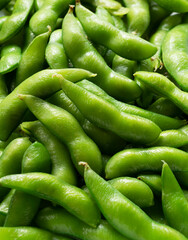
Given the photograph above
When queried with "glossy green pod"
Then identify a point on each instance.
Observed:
(16, 20)
(124, 44)
(43, 84)
(174, 5)
(47, 186)
(60, 221)
(129, 127)
(163, 122)
(123, 214)
(33, 58)
(62, 166)
(174, 202)
(67, 129)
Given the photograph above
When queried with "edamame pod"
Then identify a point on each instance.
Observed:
(138, 16)
(48, 187)
(133, 161)
(10, 161)
(82, 54)
(64, 126)
(123, 214)
(174, 5)
(175, 54)
(60, 221)
(28, 233)
(162, 85)
(124, 44)
(16, 20)
(175, 205)
(4, 205)
(31, 65)
(129, 127)
(163, 122)
(55, 53)
(3, 88)
(62, 166)
(173, 138)
(43, 84)
(107, 141)
(47, 15)
(10, 58)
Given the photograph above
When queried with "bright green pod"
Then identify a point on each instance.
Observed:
(31, 65)
(163, 122)
(38, 4)
(123, 214)
(175, 47)
(10, 58)
(173, 138)
(174, 5)
(174, 202)
(124, 44)
(67, 129)
(163, 86)
(157, 38)
(119, 23)
(61, 222)
(133, 161)
(47, 186)
(16, 20)
(42, 84)
(107, 141)
(129, 127)
(123, 66)
(10, 161)
(55, 53)
(136, 191)
(62, 166)
(138, 16)
(4, 205)
(3, 88)
(47, 15)
(15, 134)
(23, 207)
(82, 54)
(2, 20)
(28, 233)
(165, 107)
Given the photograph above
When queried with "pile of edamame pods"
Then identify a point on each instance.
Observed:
(93, 120)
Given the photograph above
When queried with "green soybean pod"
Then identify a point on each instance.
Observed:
(3, 88)
(43, 83)
(138, 16)
(133, 161)
(38, 4)
(82, 54)
(129, 127)
(10, 161)
(162, 85)
(124, 44)
(47, 186)
(174, 202)
(166, 107)
(67, 129)
(2, 20)
(61, 222)
(173, 138)
(162, 121)
(10, 58)
(174, 5)
(28, 233)
(107, 141)
(16, 20)
(62, 166)
(119, 23)
(4, 205)
(33, 58)
(47, 15)
(23, 207)
(55, 53)
(175, 47)
(123, 214)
